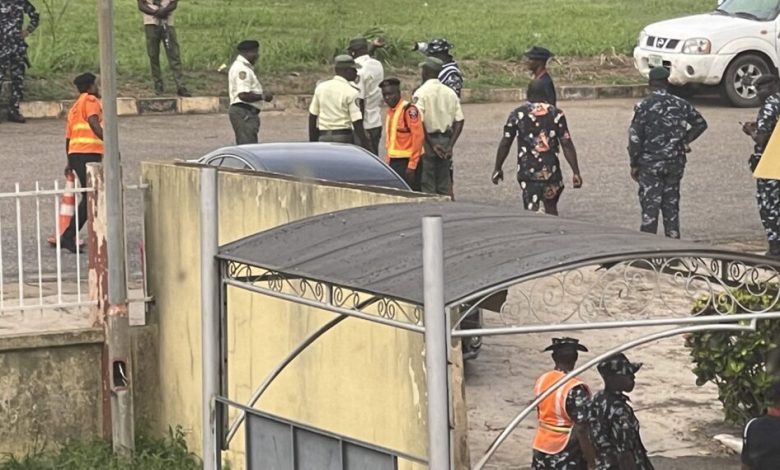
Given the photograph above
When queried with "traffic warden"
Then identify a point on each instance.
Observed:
(13, 49)
(246, 94)
(613, 426)
(334, 113)
(370, 75)
(767, 190)
(540, 129)
(760, 449)
(159, 28)
(659, 138)
(443, 121)
(83, 145)
(405, 133)
(562, 441)
(536, 62)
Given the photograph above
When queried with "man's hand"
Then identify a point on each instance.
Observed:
(268, 96)
(161, 14)
(635, 174)
(68, 170)
(687, 148)
(749, 128)
(409, 176)
(498, 175)
(577, 181)
(440, 151)
(25, 33)
(448, 151)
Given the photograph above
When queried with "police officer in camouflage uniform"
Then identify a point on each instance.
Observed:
(660, 135)
(767, 191)
(13, 49)
(613, 426)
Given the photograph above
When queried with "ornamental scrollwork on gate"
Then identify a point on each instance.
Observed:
(639, 289)
(324, 293)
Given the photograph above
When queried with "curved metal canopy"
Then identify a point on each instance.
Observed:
(377, 249)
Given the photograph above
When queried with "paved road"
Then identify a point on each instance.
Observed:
(717, 201)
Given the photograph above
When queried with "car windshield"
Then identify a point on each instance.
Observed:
(760, 10)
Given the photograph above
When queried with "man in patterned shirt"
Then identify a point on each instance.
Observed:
(541, 130)
(767, 191)
(561, 441)
(613, 426)
(659, 138)
(13, 49)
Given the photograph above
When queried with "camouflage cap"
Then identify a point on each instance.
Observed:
(439, 45)
(618, 365)
(560, 343)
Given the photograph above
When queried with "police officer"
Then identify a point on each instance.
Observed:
(370, 75)
(767, 190)
(760, 449)
(536, 61)
(334, 113)
(562, 441)
(443, 122)
(13, 49)
(613, 426)
(450, 74)
(661, 131)
(158, 27)
(540, 129)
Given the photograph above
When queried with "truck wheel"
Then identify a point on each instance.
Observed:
(737, 84)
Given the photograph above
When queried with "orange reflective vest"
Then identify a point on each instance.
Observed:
(80, 137)
(405, 133)
(555, 425)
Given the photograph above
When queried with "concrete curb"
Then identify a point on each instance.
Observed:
(219, 104)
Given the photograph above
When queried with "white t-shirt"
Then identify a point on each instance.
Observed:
(371, 73)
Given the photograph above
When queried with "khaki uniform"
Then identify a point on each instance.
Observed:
(162, 31)
(440, 108)
(244, 116)
(335, 103)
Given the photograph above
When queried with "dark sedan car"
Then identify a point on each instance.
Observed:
(341, 163)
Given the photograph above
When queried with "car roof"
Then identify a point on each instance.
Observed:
(342, 163)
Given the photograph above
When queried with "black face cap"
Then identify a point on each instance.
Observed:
(248, 45)
(618, 365)
(560, 343)
(538, 53)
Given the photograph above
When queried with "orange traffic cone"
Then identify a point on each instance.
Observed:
(67, 207)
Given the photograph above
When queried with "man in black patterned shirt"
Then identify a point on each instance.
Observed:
(614, 428)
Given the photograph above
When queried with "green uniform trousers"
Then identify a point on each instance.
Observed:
(156, 34)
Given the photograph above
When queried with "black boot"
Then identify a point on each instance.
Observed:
(15, 116)
(774, 249)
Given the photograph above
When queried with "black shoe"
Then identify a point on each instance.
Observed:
(16, 117)
(183, 92)
(774, 250)
(68, 244)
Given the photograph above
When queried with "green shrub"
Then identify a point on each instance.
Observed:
(736, 362)
(152, 453)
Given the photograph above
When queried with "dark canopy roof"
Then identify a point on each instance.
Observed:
(377, 249)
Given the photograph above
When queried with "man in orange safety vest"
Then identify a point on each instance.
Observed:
(405, 133)
(562, 441)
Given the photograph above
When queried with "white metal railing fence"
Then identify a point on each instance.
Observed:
(37, 276)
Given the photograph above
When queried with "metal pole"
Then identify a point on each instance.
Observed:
(209, 312)
(117, 324)
(436, 344)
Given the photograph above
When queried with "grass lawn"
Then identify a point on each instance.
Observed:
(299, 37)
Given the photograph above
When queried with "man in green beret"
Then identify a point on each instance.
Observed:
(334, 113)
(443, 122)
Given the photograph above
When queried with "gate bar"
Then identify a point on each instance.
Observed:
(436, 344)
(209, 313)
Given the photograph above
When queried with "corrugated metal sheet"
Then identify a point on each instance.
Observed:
(378, 249)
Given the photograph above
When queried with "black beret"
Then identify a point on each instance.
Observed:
(84, 80)
(538, 53)
(248, 45)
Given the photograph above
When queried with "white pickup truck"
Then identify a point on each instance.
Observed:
(729, 48)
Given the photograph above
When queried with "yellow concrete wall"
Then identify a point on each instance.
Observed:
(363, 380)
